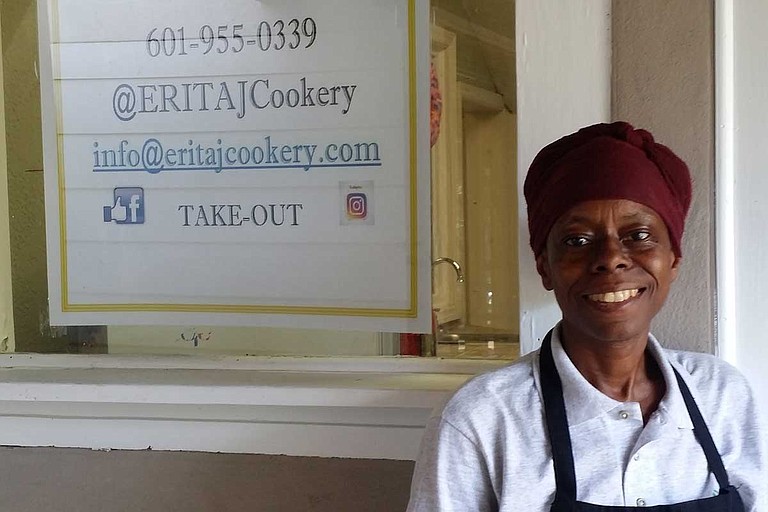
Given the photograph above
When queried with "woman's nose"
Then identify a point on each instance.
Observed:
(610, 255)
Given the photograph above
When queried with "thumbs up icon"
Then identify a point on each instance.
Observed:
(117, 213)
(128, 207)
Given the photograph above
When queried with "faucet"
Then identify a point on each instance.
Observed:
(431, 347)
(454, 264)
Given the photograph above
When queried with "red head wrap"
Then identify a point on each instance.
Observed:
(606, 161)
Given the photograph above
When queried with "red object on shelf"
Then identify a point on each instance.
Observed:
(410, 344)
(435, 106)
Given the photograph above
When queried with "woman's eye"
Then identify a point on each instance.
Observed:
(640, 236)
(576, 241)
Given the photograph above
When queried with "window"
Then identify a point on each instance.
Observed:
(473, 182)
(129, 403)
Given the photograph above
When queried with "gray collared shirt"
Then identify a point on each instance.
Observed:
(487, 449)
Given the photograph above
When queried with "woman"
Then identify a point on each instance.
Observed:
(601, 418)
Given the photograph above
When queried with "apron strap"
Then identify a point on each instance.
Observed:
(557, 423)
(701, 432)
(560, 438)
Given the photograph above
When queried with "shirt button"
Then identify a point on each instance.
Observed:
(662, 419)
(640, 502)
(623, 415)
(636, 457)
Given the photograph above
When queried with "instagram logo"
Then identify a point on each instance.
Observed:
(357, 205)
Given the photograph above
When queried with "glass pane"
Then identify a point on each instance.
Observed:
(474, 174)
(474, 211)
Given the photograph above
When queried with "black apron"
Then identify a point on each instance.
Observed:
(728, 500)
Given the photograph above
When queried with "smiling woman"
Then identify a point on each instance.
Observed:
(610, 264)
(602, 417)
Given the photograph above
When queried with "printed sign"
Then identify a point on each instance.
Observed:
(238, 162)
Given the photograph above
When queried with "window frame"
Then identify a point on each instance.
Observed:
(377, 407)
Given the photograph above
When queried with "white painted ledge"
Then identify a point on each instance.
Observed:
(327, 407)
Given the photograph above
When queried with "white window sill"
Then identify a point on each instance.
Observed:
(327, 407)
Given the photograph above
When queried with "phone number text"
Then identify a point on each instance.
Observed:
(279, 35)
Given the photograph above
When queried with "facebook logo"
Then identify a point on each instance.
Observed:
(128, 206)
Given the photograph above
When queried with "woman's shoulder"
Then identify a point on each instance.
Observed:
(498, 392)
(702, 365)
(709, 376)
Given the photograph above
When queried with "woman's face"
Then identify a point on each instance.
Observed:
(610, 264)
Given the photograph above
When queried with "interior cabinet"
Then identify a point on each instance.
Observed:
(474, 195)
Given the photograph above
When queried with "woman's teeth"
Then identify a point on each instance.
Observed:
(619, 296)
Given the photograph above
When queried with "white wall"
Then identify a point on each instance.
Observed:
(564, 83)
(748, 348)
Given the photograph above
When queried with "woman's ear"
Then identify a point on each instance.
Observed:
(542, 267)
(676, 266)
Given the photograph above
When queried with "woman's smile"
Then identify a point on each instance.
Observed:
(614, 297)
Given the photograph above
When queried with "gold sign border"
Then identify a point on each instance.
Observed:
(411, 312)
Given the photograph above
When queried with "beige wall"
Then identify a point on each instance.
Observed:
(491, 196)
(663, 80)
(39, 479)
(25, 185)
(6, 296)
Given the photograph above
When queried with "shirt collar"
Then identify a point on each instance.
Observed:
(584, 402)
(673, 404)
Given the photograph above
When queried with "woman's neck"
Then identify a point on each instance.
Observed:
(623, 370)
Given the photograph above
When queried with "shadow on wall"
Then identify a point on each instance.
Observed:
(35, 479)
